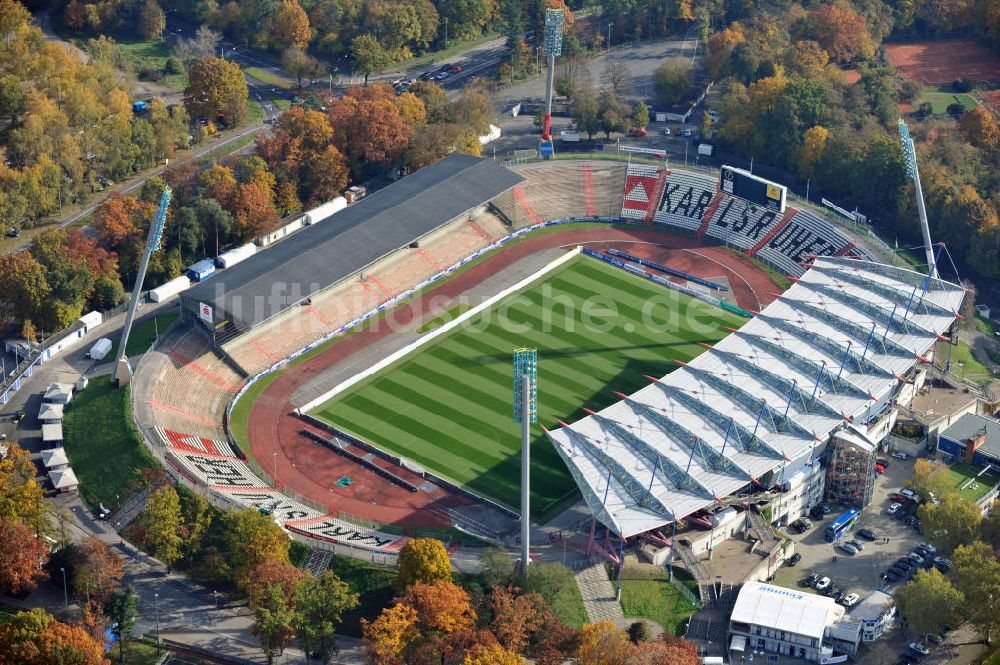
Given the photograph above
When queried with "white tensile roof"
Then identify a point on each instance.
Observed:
(785, 609)
(830, 350)
(63, 478)
(54, 457)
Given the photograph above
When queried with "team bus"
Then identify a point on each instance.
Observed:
(841, 525)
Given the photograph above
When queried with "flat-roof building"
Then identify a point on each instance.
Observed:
(877, 613)
(972, 439)
(784, 621)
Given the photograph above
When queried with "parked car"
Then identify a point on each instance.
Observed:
(891, 576)
(687, 133)
(934, 638)
(893, 508)
(899, 455)
(666, 131)
(850, 600)
(822, 583)
(794, 559)
(809, 580)
(868, 534)
(856, 544)
(919, 648)
(927, 546)
(916, 557)
(883, 461)
(637, 132)
(455, 69)
(846, 549)
(897, 498)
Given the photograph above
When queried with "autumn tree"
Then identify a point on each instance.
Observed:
(274, 619)
(23, 284)
(841, 32)
(977, 577)
(252, 538)
(515, 618)
(927, 478)
(204, 44)
(23, 555)
(491, 655)
(586, 114)
(442, 606)
(603, 643)
(96, 570)
(35, 638)
(391, 633)
(273, 573)
(290, 26)
(320, 606)
(640, 115)
(152, 20)
(216, 87)
(928, 601)
(162, 523)
(980, 128)
(613, 112)
(810, 153)
(21, 498)
(423, 560)
(300, 64)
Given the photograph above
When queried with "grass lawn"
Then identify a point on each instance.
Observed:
(271, 79)
(941, 98)
(985, 326)
(970, 368)
(239, 422)
(231, 147)
(647, 593)
(151, 55)
(958, 473)
(103, 446)
(144, 334)
(586, 320)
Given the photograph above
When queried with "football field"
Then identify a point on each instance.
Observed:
(448, 404)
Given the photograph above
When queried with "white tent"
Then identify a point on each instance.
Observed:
(50, 413)
(58, 393)
(52, 433)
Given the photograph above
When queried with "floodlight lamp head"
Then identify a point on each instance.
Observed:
(553, 33)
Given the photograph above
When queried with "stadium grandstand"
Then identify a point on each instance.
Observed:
(691, 202)
(331, 250)
(760, 406)
(817, 355)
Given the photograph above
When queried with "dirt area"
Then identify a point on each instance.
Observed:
(992, 99)
(938, 62)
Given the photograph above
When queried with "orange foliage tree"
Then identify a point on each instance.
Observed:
(441, 606)
(23, 555)
(391, 633)
(97, 570)
(841, 32)
(35, 638)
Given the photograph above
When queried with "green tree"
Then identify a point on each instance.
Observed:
(152, 20)
(498, 567)
(422, 560)
(162, 521)
(953, 522)
(319, 611)
(640, 115)
(216, 86)
(108, 293)
(672, 80)
(23, 284)
(928, 601)
(121, 611)
(369, 56)
(586, 112)
(977, 576)
(274, 621)
(465, 18)
(613, 113)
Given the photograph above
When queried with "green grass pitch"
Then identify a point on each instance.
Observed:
(448, 406)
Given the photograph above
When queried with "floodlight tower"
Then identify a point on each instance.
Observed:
(552, 45)
(123, 372)
(910, 157)
(526, 413)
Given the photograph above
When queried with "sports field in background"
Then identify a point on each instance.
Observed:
(448, 405)
(958, 474)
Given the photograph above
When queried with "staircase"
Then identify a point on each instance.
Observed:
(317, 561)
(760, 525)
(599, 595)
(694, 566)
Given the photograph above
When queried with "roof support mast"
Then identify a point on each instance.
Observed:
(910, 157)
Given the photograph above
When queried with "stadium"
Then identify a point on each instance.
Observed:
(354, 378)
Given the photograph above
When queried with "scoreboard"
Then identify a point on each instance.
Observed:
(743, 184)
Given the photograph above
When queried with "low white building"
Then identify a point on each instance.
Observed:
(64, 479)
(55, 459)
(50, 413)
(876, 613)
(773, 619)
(58, 393)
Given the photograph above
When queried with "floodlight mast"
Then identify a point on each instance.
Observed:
(552, 45)
(525, 413)
(123, 372)
(910, 157)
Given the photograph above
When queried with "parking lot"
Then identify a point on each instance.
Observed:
(862, 572)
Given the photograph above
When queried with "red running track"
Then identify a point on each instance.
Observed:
(312, 471)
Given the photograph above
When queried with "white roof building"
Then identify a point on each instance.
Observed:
(762, 403)
(52, 433)
(789, 622)
(50, 413)
(55, 458)
(58, 393)
(64, 480)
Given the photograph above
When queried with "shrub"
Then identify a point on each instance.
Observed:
(955, 110)
(638, 632)
(963, 85)
(173, 65)
(150, 74)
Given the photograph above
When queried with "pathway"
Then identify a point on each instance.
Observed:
(599, 597)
